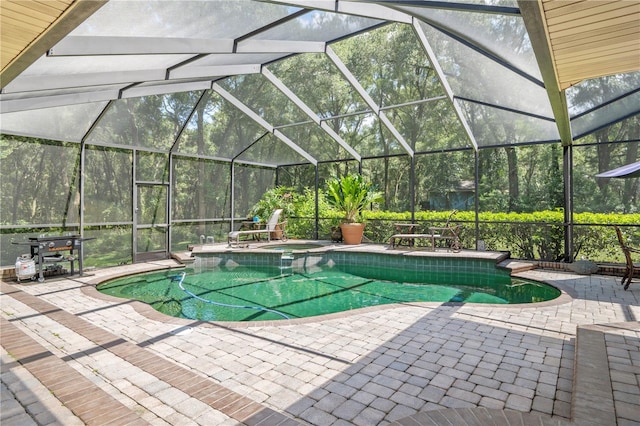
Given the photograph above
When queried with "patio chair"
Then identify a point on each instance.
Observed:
(273, 225)
(449, 232)
(630, 268)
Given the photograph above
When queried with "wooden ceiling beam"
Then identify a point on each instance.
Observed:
(49, 23)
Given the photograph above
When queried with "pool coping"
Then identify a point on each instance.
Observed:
(264, 247)
(517, 268)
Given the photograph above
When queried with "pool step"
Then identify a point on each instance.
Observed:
(286, 262)
(517, 266)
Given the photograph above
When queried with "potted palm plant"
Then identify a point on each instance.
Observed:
(351, 194)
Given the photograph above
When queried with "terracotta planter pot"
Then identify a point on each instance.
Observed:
(352, 232)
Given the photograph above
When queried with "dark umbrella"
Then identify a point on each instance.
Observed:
(628, 171)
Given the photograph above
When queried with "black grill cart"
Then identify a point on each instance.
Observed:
(56, 249)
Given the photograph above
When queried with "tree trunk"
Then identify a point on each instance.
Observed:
(201, 199)
(514, 187)
(604, 156)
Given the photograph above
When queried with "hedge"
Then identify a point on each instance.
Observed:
(536, 235)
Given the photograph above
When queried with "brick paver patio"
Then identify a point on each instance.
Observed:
(73, 356)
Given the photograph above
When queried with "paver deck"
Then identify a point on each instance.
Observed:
(72, 356)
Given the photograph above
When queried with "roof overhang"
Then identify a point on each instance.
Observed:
(579, 40)
(586, 39)
(30, 28)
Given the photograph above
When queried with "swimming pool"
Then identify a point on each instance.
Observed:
(277, 286)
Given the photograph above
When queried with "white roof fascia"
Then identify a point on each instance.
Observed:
(370, 102)
(445, 84)
(304, 107)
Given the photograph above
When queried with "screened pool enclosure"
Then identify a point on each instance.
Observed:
(152, 125)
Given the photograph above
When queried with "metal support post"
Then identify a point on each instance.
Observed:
(568, 202)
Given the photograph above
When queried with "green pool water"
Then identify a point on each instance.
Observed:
(259, 293)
